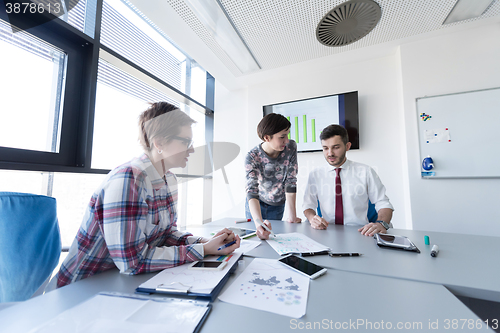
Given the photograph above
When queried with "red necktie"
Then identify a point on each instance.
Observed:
(339, 208)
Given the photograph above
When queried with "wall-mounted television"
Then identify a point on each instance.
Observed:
(310, 116)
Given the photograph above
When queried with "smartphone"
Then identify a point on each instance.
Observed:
(208, 265)
(242, 232)
(303, 266)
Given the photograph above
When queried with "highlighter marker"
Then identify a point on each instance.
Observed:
(265, 227)
(434, 251)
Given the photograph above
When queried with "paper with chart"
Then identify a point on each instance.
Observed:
(268, 285)
(196, 281)
(295, 242)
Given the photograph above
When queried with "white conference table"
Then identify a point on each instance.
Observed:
(468, 265)
(347, 295)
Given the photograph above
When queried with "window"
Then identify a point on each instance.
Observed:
(73, 192)
(31, 109)
(85, 78)
(22, 181)
(129, 35)
(75, 16)
(120, 99)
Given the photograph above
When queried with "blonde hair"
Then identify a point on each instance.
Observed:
(161, 121)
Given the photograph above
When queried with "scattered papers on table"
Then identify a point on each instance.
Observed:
(295, 243)
(115, 312)
(268, 285)
(248, 245)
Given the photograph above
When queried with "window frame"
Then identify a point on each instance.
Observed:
(83, 51)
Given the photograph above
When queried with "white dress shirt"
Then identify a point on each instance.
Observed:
(359, 183)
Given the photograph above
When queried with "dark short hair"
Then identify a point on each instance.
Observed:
(272, 124)
(332, 130)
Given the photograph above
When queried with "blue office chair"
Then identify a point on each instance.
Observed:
(30, 244)
(372, 212)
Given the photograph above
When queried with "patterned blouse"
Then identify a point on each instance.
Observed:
(130, 223)
(268, 179)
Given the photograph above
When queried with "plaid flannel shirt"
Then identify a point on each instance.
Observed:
(130, 223)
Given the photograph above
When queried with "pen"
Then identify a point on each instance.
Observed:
(226, 245)
(242, 221)
(346, 254)
(310, 254)
(434, 251)
(265, 227)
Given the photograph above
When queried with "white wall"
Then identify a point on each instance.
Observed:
(462, 61)
(230, 125)
(378, 84)
(388, 86)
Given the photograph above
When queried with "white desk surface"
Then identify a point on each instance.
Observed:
(339, 297)
(468, 265)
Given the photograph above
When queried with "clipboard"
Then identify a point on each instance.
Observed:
(179, 281)
(396, 242)
(99, 314)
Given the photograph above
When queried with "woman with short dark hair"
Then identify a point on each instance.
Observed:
(271, 174)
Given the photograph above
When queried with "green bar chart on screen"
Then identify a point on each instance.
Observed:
(289, 133)
(307, 118)
(313, 125)
(297, 129)
(306, 130)
(304, 123)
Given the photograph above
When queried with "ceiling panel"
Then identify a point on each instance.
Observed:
(282, 32)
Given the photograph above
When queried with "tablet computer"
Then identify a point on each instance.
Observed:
(396, 242)
(242, 232)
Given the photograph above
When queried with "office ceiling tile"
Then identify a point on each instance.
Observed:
(282, 32)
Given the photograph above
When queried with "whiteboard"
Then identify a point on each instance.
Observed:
(461, 132)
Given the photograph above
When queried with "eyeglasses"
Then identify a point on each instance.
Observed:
(188, 142)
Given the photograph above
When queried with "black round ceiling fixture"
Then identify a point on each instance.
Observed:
(348, 22)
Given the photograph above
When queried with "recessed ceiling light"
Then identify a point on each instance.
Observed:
(214, 18)
(467, 9)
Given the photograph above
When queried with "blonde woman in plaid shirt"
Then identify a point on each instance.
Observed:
(130, 222)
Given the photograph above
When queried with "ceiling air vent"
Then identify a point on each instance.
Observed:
(348, 22)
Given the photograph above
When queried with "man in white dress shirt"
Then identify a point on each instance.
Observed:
(359, 183)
